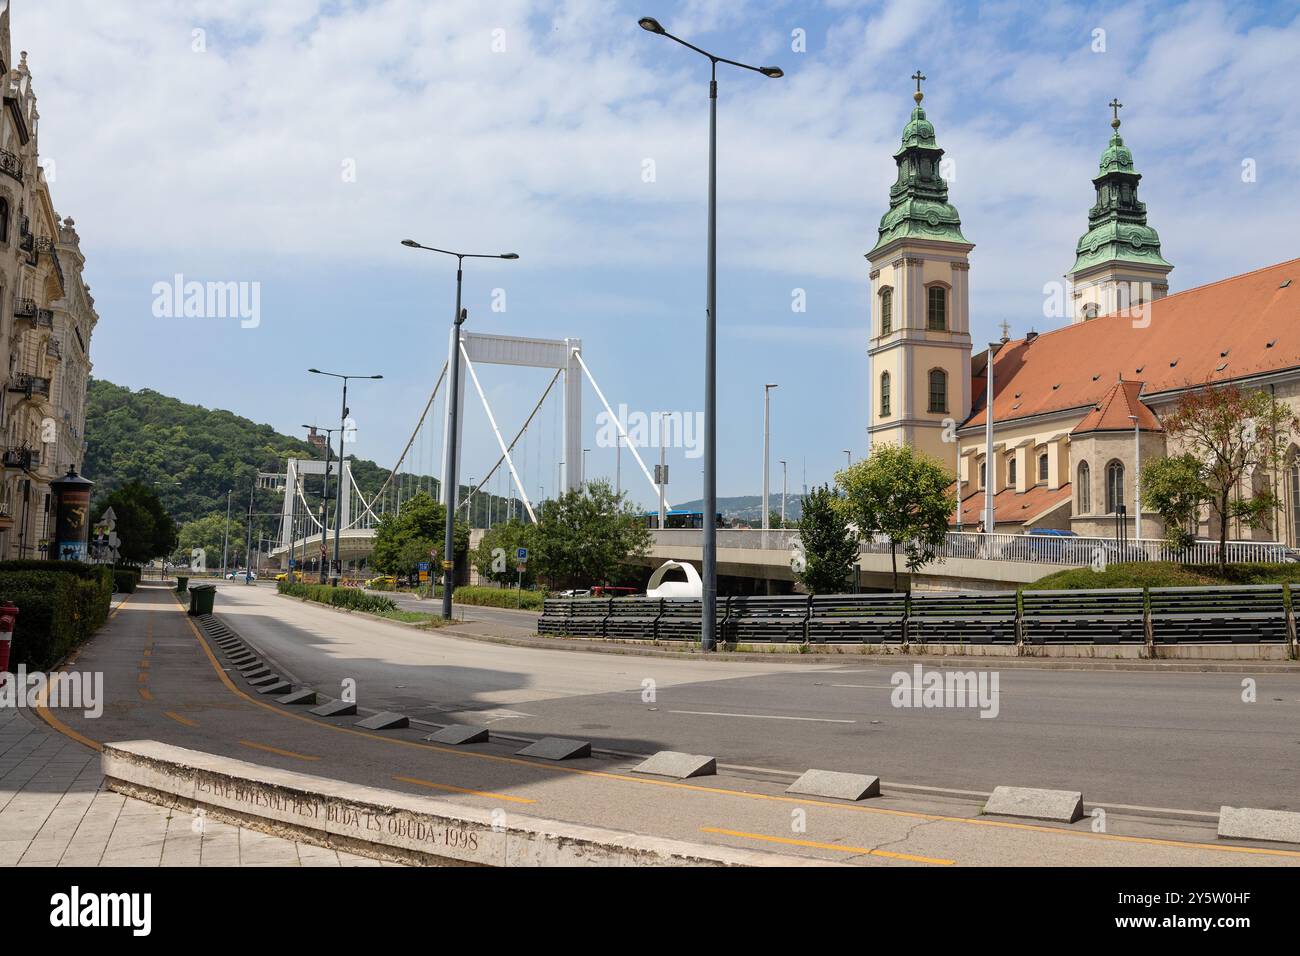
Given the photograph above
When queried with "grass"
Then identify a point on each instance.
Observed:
(414, 617)
(1163, 574)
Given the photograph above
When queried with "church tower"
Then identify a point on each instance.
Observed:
(1117, 263)
(920, 303)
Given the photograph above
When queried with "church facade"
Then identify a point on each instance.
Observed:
(1078, 409)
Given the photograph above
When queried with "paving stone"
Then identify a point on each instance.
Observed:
(557, 748)
(1060, 806)
(672, 763)
(836, 785)
(457, 735)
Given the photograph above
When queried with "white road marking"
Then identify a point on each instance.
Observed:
(816, 720)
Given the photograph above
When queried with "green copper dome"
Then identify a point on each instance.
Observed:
(918, 200)
(1117, 222)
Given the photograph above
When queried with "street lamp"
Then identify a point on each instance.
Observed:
(1137, 479)
(709, 623)
(784, 471)
(584, 466)
(338, 486)
(449, 479)
(767, 435)
(848, 456)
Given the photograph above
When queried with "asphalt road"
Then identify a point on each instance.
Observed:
(1165, 740)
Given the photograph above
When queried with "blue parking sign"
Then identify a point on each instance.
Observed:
(521, 554)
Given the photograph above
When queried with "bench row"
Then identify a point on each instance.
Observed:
(1246, 614)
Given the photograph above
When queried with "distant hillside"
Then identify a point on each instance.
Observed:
(189, 453)
(749, 508)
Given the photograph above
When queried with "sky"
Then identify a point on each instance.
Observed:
(290, 146)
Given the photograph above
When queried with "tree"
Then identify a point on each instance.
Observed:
(143, 526)
(209, 534)
(587, 537)
(1175, 489)
(496, 556)
(1231, 432)
(403, 541)
(830, 544)
(903, 495)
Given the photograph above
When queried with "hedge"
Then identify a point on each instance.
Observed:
(499, 597)
(354, 599)
(124, 581)
(60, 605)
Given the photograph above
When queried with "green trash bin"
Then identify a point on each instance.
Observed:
(181, 582)
(201, 598)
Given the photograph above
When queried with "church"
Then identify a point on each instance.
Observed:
(1075, 410)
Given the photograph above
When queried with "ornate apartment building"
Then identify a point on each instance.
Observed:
(47, 317)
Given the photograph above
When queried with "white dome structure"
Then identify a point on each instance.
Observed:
(692, 587)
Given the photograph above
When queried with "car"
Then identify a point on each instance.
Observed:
(236, 575)
(385, 582)
(289, 576)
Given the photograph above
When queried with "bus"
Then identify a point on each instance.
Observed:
(679, 519)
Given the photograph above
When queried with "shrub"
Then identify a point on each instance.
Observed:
(353, 599)
(1164, 574)
(499, 597)
(124, 582)
(60, 605)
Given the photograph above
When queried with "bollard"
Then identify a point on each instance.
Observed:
(8, 618)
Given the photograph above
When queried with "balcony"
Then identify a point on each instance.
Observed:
(26, 310)
(21, 459)
(30, 385)
(11, 165)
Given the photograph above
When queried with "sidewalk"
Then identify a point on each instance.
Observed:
(54, 811)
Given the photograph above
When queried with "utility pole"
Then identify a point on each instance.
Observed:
(225, 538)
(663, 477)
(989, 517)
(767, 436)
(784, 472)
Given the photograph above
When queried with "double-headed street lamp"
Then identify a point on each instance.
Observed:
(338, 487)
(449, 479)
(709, 623)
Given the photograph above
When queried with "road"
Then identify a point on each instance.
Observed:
(1183, 741)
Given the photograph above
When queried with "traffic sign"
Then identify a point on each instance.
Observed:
(521, 554)
(424, 566)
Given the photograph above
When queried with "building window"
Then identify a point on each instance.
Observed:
(1085, 488)
(936, 309)
(981, 471)
(886, 311)
(938, 390)
(1011, 471)
(884, 394)
(4, 221)
(1114, 487)
(1042, 467)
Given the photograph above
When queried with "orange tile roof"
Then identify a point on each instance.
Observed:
(1010, 507)
(1112, 413)
(1238, 327)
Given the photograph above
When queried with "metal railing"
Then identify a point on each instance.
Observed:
(31, 385)
(11, 164)
(1038, 549)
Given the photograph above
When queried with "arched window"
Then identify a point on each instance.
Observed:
(1089, 311)
(1114, 487)
(886, 311)
(936, 312)
(981, 470)
(884, 394)
(4, 220)
(1085, 488)
(1295, 502)
(1042, 467)
(938, 390)
(1011, 471)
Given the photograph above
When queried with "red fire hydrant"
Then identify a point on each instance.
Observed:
(8, 618)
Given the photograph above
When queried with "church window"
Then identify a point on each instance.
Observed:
(938, 390)
(1042, 467)
(937, 309)
(1011, 471)
(1114, 487)
(886, 311)
(1085, 488)
(884, 394)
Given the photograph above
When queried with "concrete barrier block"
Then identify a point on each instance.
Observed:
(1058, 806)
(557, 748)
(262, 679)
(336, 708)
(1247, 823)
(252, 666)
(299, 697)
(457, 735)
(278, 687)
(671, 763)
(386, 720)
(836, 785)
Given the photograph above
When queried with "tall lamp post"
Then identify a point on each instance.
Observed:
(767, 440)
(338, 485)
(709, 621)
(458, 319)
(1137, 479)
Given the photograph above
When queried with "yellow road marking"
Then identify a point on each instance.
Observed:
(909, 814)
(180, 719)
(113, 613)
(148, 652)
(144, 692)
(144, 665)
(144, 677)
(857, 850)
(477, 793)
(276, 750)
